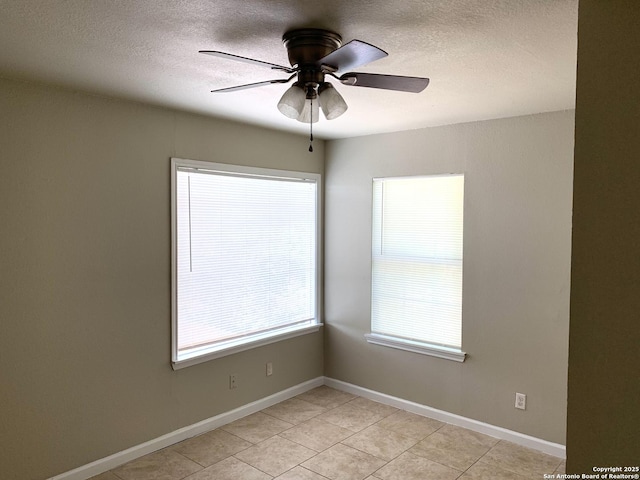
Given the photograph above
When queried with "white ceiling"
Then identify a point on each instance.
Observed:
(485, 58)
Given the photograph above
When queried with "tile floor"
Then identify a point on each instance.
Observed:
(328, 434)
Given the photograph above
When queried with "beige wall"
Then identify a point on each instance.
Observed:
(518, 176)
(85, 278)
(603, 427)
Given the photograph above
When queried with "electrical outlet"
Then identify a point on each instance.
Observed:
(233, 381)
(269, 369)
(521, 401)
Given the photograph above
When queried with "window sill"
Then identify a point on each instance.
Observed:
(416, 347)
(205, 354)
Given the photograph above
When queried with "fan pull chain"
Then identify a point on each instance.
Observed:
(311, 128)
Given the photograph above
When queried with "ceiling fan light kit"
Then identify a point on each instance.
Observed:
(298, 100)
(314, 54)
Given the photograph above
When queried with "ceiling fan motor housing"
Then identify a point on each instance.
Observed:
(305, 47)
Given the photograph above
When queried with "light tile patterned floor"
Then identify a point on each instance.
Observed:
(328, 434)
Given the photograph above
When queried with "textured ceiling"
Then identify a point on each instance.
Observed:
(485, 58)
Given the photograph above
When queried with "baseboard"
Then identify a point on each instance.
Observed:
(544, 446)
(112, 461)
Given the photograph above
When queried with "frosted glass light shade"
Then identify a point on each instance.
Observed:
(333, 105)
(310, 111)
(292, 102)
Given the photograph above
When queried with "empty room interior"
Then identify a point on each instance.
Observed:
(111, 123)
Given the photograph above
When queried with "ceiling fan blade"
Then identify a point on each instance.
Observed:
(253, 85)
(253, 61)
(387, 82)
(352, 55)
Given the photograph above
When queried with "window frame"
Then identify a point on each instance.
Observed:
(207, 353)
(398, 342)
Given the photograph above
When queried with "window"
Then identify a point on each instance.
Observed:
(244, 258)
(416, 292)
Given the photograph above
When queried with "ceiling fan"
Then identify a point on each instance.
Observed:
(313, 54)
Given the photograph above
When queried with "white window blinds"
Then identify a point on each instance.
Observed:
(417, 259)
(245, 257)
